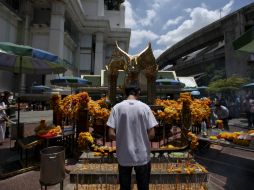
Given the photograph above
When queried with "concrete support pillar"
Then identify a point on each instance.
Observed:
(22, 83)
(28, 17)
(28, 12)
(99, 61)
(235, 62)
(56, 32)
(100, 10)
(77, 60)
(122, 16)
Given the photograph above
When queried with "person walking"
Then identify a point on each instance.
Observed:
(251, 124)
(222, 113)
(132, 123)
(3, 117)
(8, 101)
(246, 107)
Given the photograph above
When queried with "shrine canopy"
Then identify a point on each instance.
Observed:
(70, 81)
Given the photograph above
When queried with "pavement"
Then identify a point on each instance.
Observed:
(35, 116)
(229, 168)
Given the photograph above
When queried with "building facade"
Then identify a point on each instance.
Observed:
(81, 32)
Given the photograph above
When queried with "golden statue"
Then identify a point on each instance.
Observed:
(132, 65)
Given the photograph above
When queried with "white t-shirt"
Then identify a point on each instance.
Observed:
(131, 119)
(221, 113)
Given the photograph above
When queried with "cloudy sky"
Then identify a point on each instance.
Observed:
(165, 22)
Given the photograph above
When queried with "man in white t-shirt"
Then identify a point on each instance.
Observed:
(132, 123)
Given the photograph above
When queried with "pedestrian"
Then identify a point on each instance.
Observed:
(2, 118)
(132, 123)
(237, 106)
(251, 102)
(10, 108)
(221, 113)
(246, 107)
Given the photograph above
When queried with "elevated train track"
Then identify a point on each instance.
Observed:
(226, 30)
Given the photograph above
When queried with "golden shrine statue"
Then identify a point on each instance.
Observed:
(132, 65)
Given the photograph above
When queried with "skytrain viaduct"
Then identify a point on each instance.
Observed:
(219, 37)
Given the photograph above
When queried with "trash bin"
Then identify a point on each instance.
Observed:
(52, 165)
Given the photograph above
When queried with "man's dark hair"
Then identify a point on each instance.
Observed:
(132, 90)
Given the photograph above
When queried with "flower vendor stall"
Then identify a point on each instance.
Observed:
(80, 111)
(176, 117)
(186, 114)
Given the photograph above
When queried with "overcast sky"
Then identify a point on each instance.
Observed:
(165, 22)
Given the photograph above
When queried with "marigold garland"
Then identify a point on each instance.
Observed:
(56, 103)
(171, 114)
(73, 104)
(85, 139)
(97, 112)
(194, 140)
(67, 106)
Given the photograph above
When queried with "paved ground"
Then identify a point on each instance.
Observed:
(230, 168)
(35, 116)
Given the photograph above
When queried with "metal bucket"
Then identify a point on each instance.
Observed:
(52, 165)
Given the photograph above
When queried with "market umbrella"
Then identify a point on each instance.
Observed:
(202, 87)
(40, 89)
(25, 59)
(70, 81)
(250, 85)
(245, 42)
(195, 93)
(168, 82)
(189, 89)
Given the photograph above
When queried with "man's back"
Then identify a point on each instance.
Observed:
(131, 120)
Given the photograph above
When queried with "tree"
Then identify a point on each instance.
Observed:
(213, 73)
(227, 85)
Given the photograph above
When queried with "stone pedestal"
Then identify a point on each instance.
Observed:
(96, 172)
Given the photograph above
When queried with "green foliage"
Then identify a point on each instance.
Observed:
(227, 85)
(218, 74)
(213, 73)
